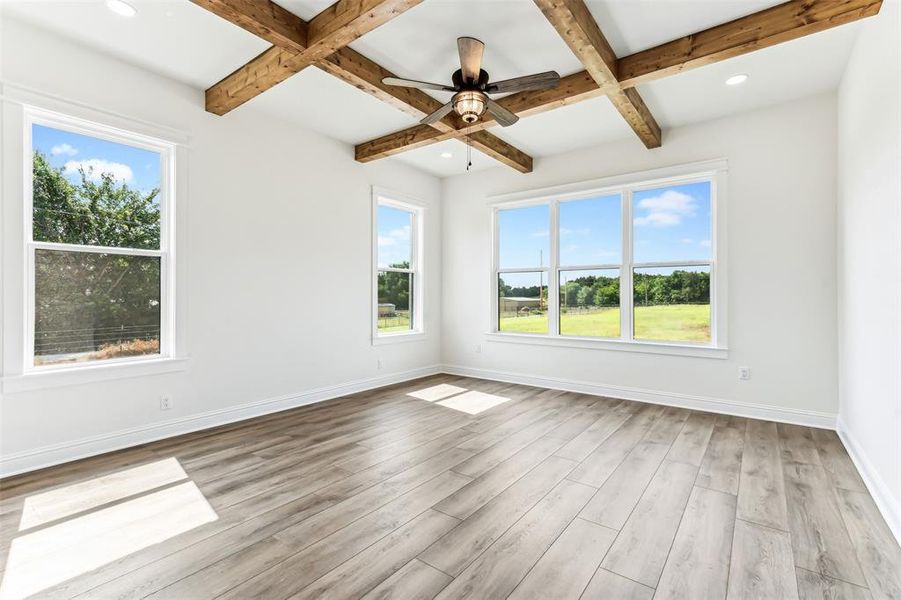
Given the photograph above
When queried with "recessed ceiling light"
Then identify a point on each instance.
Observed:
(737, 79)
(121, 8)
(446, 155)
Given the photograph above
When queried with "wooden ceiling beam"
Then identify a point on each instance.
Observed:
(290, 34)
(330, 30)
(782, 23)
(574, 23)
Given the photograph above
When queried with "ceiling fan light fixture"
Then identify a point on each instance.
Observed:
(470, 105)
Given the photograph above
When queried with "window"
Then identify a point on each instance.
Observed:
(97, 243)
(398, 280)
(632, 261)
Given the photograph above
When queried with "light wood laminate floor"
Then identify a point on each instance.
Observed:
(449, 487)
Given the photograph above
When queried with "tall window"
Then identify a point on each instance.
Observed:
(398, 280)
(98, 250)
(629, 263)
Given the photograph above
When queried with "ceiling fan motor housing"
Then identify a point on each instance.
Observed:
(470, 104)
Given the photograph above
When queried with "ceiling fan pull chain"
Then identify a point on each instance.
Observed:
(468, 152)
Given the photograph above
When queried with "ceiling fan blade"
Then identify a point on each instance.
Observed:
(538, 81)
(501, 114)
(412, 83)
(471, 51)
(438, 114)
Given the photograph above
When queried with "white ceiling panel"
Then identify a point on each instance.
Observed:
(433, 159)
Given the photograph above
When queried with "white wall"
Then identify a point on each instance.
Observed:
(781, 245)
(275, 262)
(869, 258)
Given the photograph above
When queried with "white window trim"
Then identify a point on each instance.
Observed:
(21, 108)
(385, 197)
(715, 171)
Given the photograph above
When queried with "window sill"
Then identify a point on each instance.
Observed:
(616, 345)
(58, 377)
(394, 338)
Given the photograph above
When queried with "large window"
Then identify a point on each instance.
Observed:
(398, 278)
(630, 262)
(97, 245)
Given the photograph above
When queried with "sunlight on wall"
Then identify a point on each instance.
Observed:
(449, 396)
(72, 499)
(46, 557)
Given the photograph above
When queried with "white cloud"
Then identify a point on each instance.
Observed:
(386, 241)
(705, 243)
(687, 241)
(541, 234)
(65, 149)
(666, 210)
(95, 167)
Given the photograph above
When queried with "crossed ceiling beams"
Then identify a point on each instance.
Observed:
(322, 42)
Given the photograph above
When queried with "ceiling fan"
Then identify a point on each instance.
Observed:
(471, 87)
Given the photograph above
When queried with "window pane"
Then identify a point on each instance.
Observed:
(522, 302)
(591, 231)
(524, 237)
(672, 304)
(395, 227)
(94, 192)
(589, 303)
(395, 308)
(91, 306)
(672, 223)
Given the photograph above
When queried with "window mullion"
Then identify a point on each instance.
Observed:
(625, 273)
(553, 288)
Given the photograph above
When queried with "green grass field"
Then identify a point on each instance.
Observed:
(399, 322)
(675, 323)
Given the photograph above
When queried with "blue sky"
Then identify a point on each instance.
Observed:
(669, 224)
(135, 167)
(394, 232)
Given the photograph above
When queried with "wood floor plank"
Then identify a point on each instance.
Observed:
(604, 460)
(834, 458)
(609, 586)
(496, 572)
(797, 444)
(569, 564)
(721, 466)
(452, 553)
(616, 499)
(814, 586)
(370, 567)
(762, 565)
(641, 548)
(877, 551)
(581, 446)
(698, 563)
(482, 489)
(761, 490)
(414, 581)
(819, 538)
(280, 565)
(671, 422)
(691, 443)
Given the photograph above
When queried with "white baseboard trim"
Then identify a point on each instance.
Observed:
(47, 456)
(885, 501)
(729, 407)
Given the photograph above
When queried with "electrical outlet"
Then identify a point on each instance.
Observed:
(165, 403)
(744, 373)
(378, 364)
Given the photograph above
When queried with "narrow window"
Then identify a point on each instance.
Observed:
(523, 274)
(398, 277)
(98, 249)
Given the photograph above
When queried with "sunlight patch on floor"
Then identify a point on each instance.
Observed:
(79, 497)
(473, 402)
(48, 556)
(437, 392)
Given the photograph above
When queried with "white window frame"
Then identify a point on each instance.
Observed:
(714, 171)
(166, 252)
(384, 197)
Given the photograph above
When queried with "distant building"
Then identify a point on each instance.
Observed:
(518, 303)
(387, 309)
